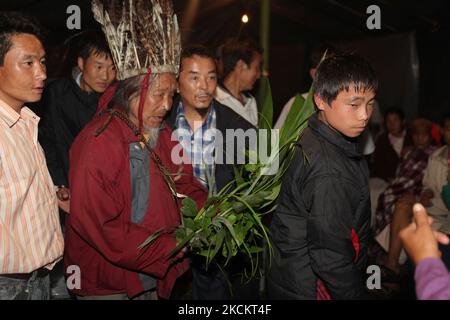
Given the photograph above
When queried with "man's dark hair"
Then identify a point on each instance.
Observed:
(339, 72)
(15, 23)
(234, 50)
(196, 50)
(318, 51)
(93, 42)
(394, 110)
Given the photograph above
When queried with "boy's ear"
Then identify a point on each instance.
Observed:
(320, 103)
(80, 63)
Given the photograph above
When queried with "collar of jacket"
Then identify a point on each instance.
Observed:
(89, 99)
(349, 146)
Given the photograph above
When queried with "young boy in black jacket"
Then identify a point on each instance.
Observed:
(321, 226)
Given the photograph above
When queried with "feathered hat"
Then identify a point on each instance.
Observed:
(143, 37)
(141, 34)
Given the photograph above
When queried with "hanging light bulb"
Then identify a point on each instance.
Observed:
(244, 18)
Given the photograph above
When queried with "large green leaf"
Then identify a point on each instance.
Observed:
(189, 208)
(266, 115)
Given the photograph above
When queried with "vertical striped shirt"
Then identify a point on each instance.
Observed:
(30, 232)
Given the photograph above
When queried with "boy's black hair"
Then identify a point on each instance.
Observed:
(394, 110)
(16, 23)
(93, 42)
(339, 72)
(235, 49)
(196, 50)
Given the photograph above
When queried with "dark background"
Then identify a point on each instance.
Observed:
(410, 53)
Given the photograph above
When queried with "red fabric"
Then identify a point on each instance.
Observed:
(355, 242)
(436, 134)
(322, 293)
(321, 290)
(106, 97)
(100, 237)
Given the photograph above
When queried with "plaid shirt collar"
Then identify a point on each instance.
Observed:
(181, 121)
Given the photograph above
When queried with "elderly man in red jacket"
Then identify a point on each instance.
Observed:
(125, 186)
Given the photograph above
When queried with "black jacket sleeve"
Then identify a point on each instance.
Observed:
(331, 201)
(48, 137)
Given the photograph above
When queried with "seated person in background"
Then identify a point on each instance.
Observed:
(384, 161)
(389, 145)
(408, 179)
(434, 178)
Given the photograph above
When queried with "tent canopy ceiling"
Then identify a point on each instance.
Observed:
(210, 21)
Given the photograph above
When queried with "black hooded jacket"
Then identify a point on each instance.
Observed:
(321, 226)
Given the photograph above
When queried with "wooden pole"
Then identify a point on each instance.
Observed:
(264, 34)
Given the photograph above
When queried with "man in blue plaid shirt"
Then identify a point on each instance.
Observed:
(200, 124)
(199, 144)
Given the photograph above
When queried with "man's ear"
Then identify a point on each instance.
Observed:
(80, 63)
(241, 65)
(312, 73)
(320, 103)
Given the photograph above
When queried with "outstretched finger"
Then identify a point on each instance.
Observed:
(420, 215)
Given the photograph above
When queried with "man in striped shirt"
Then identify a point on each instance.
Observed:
(31, 241)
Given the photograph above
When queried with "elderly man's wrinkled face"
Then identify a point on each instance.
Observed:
(157, 103)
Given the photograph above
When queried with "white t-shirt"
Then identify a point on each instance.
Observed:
(284, 113)
(249, 111)
(397, 142)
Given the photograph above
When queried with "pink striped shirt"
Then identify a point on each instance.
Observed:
(30, 232)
